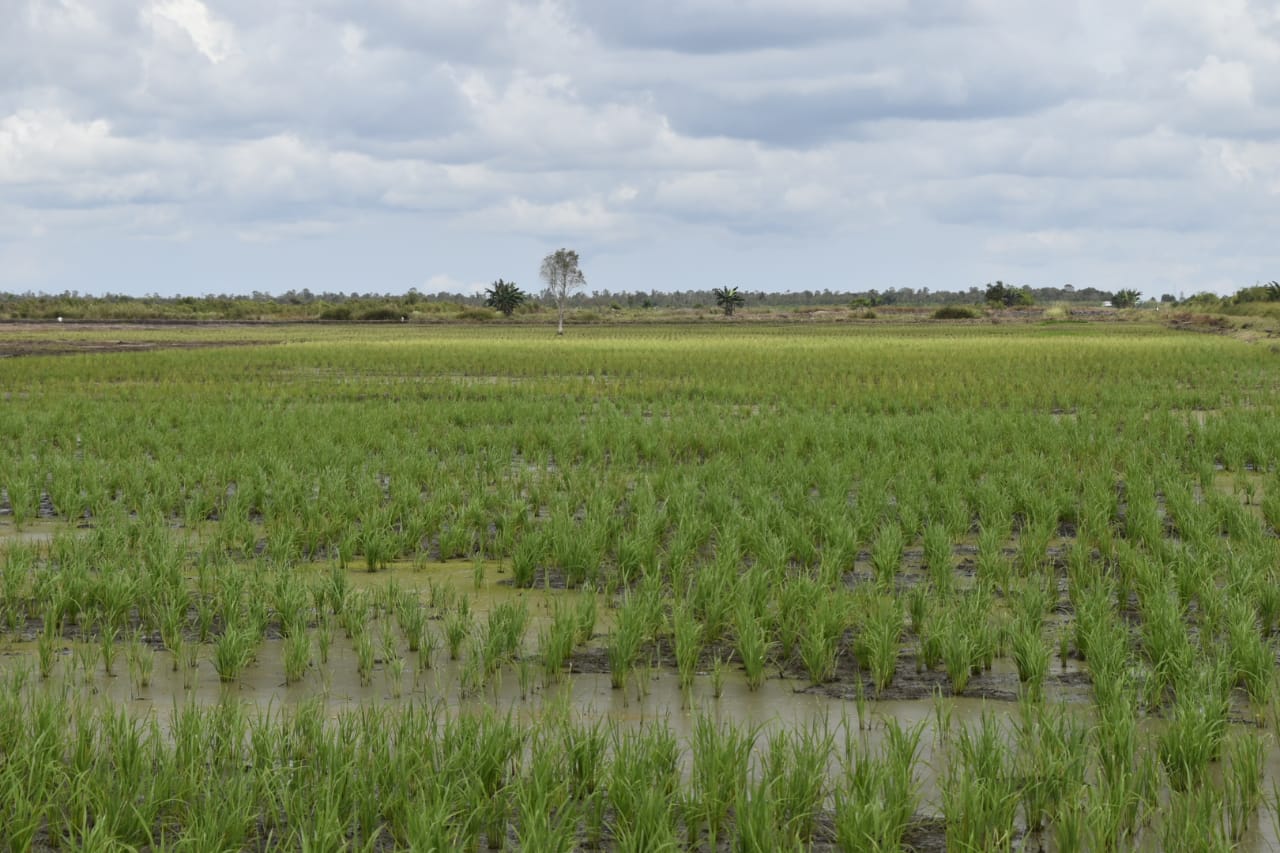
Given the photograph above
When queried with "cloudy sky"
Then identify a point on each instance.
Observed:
(181, 146)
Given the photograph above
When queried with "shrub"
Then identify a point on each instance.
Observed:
(477, 314)
(955, 312)
(339, 313)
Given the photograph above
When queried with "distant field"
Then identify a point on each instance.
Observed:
(849, 586)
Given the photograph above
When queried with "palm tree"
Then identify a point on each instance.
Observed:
(728, 299)
(504, 296)
(1125, 298)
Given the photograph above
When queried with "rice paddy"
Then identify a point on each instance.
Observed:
(967, 587)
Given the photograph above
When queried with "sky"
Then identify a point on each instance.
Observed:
(230, 146)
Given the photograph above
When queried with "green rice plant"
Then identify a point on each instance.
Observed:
(458, 625)
(820, 641)
(324, 637)
(364, 655)
(556, 640)
(1251, 656)
(624, 641)
(1165, 642)
(717, 675)
(394, 670)
(526, 556)
(881, 638)
(107, 635)
(687, 639)
(751, 643)
(47, 644)
(1193, 822)
(960, 651)
(876, 800)
(757, 821)
(428, 645)
(980, 800)
(1030, 655)
(297, 655)
(1197, 725)
(1033, 544)
(586, 611)
(585, 748)
(1051, 762)
(641, 784)
(548, 820)
(504, 634)
(1242, 782)
(141, 662)
(795, 599)
(818, 651)
(793, 786)
(232, 652)
(720, 757)
(992, 564)
(649, 824)
(886, 553)
(712, 596)
(939, 559)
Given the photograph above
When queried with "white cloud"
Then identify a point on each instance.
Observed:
(492, 129)
(1220, 84)
(211, 36)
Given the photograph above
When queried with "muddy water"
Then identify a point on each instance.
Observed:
(651, 696)
(37, 531)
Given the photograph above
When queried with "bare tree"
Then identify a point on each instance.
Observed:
(560, 272)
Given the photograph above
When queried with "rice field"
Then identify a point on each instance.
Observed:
(706, 587)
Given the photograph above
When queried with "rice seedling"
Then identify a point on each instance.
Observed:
(1193, 822)
(586, 612)
(938, 558)
(1052, 761)
(687, 639)
(1196, 728)
(980, 799)
(624, 642)
(720, 757)
(752, 647)
(793, 786)
(324, 637)
(886, 553)
(1242, 783)
(556, 641)
(107, 634)
(297, 655)
(1030, 655)
(232, 652)
(141, 663)
(876, 801)
(457, 627)
(717, 675)
(881, 638)
(364, 656)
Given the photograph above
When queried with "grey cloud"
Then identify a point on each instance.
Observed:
(722, 27)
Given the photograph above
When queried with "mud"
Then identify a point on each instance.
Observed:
(19, 347)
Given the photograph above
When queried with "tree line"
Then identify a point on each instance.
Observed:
(564, 288)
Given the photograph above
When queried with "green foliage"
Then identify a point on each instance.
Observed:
(504, 296)
(1125, 298)
(1008, 296)
(955, 312)
(728, 299)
